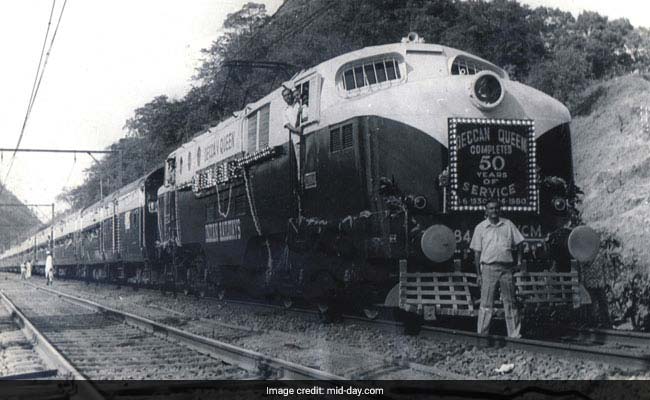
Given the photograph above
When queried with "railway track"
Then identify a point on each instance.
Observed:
(207, 335)
(27, 355)
(610, 338)
(18, 354)
(628, 351)
(103, 343)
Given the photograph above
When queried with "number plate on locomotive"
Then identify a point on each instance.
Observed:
(492, 158)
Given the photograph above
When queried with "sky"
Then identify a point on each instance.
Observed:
(108, 58)
(111, 57)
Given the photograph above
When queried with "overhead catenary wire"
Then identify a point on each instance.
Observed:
(34, 85)
(47, 56)
(308, 20)
(40, 61)
(74, 162)
(37, 83)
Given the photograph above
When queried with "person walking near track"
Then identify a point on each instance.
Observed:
(49, 268)
(28, 269)
(493, 243)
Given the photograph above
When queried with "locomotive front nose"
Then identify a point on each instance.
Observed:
(438, 243)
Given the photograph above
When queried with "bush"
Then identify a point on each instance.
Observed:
(627, 289)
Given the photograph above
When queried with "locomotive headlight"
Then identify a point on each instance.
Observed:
(486, 91)
(559, 203)
(583, 243)
(438, 243)
(420, 202)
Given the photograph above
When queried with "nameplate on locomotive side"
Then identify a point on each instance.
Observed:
(223, 231)
(492, 158)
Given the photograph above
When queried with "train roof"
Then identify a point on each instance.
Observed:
(334, 64)
(429, 65)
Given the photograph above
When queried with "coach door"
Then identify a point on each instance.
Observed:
(311, 144)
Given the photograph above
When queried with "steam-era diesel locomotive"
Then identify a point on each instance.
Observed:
(401, 146)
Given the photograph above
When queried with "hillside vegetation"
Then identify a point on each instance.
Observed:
(15, 222)
(611, 147)
(611, 144)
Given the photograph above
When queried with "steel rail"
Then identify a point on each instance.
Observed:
(624, 360)
(606, 336)
(49, 354)
(268, 367)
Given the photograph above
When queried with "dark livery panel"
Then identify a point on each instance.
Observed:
(374, 204)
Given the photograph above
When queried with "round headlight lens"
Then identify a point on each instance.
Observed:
(487, 89)
(420, 202)
(559, 204)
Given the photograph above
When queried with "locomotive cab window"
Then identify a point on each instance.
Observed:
(463, 65)
(303, 98)
(368, 74)
(308, 89)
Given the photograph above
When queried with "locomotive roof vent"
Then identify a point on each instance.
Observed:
(486, 90)
(413, 37)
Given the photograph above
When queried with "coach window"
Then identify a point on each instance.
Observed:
(258, 129)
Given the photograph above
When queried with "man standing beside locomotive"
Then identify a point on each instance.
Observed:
(493, 243)
(291, 117)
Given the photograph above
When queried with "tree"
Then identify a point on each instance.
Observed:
(501, 31)
(563, 76)
(637, 48)
(602, 41)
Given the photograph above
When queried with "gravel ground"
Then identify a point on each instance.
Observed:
(346, 349)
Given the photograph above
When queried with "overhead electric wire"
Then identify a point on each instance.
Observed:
(71, 170)
(306, 22)
(37, 83)
(34, 90)
(40, 60)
